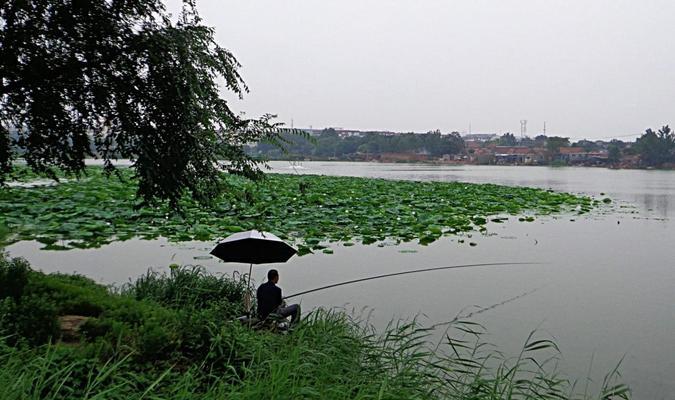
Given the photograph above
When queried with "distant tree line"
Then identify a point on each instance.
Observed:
(329, 144)
(654, 148)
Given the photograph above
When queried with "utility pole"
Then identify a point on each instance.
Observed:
(544, 128)
(523, 128)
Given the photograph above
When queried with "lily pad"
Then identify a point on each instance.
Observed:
(99, 210)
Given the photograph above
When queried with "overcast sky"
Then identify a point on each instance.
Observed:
(589, 68)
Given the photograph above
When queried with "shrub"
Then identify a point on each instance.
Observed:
(154, 341)
(13, 276)
(23, 315)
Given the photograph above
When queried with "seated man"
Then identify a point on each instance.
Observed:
(270, 300)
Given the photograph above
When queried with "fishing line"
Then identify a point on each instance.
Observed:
(480, 310)
(409, 272)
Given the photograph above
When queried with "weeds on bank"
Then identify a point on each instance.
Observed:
(152, 340)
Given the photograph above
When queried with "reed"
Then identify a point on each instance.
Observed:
(189, 286)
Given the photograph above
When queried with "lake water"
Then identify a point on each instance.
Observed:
(605, 284)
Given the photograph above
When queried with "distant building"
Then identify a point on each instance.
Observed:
(577, 155)
(402, 157)
(481, 155)
(479, 137)
(472, 145)
(349, 133)
(518, 155)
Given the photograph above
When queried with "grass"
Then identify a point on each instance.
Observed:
(173, 337)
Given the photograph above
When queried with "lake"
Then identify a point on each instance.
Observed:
(603, 285)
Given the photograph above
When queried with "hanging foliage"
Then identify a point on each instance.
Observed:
(118, 79)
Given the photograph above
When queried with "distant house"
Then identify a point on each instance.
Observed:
(481, 156)
(479, 137)
(518, 155)
(402, 157)
(598, 157)
(453, 157)
(472, 145)
(571, 154)
(577, 155)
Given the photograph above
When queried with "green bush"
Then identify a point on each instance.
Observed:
(36, 319)
(24, 315)
(13, 277)
(73, 294)
(155, 341)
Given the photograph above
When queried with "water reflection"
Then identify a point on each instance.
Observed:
(659, 203)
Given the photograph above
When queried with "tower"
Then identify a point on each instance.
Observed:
(523, 128)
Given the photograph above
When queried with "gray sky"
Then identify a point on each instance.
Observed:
(593, 68)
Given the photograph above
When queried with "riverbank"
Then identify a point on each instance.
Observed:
(461, 163)
(173, 336)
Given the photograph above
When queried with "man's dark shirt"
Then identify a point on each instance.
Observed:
(269, 298)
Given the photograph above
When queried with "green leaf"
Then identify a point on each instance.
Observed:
(304, 250)
(373, 210)
(428, 239)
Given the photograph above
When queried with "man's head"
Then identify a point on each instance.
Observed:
(273, 275)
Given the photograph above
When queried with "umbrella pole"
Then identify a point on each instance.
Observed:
(250, 268)
(248, 288)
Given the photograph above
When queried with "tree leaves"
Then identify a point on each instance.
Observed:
(120, 80)
(657, 148)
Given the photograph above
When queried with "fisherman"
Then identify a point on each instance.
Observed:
(270, 300)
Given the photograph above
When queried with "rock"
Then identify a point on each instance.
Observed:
(70, 327)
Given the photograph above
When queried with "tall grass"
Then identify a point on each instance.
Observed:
(189, 286)
(154, 342)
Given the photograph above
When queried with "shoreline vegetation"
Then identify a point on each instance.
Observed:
(652, 150)
(315, 212)
(173, 337)
(407, 160)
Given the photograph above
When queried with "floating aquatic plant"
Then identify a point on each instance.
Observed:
(310, 210)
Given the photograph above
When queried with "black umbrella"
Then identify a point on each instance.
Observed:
(253, 247)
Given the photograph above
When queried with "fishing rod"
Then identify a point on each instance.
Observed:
(409, 272)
